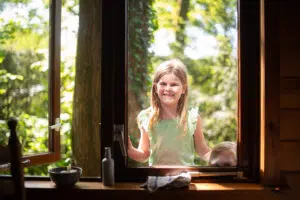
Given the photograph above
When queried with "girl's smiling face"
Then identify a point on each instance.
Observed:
(169, 89)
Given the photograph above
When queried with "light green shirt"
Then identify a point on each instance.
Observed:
(168, 144)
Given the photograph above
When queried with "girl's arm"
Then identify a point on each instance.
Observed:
(141, 153)
(200, 144)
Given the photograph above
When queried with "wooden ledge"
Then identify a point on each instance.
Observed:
(136, 186)
(47, 190)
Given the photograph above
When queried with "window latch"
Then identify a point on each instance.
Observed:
(120, 138)
(57, 125)
(273, 127)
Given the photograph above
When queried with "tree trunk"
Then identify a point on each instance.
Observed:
(180, 43)
(138, 58)
(183, 10)
(86, 107)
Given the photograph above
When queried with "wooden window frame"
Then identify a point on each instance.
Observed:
(114, 88)
(53, 153)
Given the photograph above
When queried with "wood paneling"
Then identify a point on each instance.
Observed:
(290, 60)
(289, 84)
(289, 38)
(289, 156)
(289, 94)
(292, 179)
(289, 124)
(289, 16)
(290, 99)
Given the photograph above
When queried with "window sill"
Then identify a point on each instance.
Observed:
(89, 190)
(48, 185)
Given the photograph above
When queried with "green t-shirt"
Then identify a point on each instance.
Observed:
(168, 144)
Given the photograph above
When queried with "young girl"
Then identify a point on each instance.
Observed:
(169, 132)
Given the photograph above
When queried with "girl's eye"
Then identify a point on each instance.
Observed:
(162, 83)
(174, 84)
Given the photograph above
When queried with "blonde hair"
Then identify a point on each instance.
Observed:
(177, 68)
(222, 147)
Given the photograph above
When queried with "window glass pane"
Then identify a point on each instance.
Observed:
(24, 72)
(202, 36)
(24, 75)
(69, 29)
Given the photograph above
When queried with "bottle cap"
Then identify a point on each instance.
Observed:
(107, 152)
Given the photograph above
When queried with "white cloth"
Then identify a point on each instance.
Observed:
(153, 183)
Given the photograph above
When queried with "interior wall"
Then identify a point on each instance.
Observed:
(289, 43)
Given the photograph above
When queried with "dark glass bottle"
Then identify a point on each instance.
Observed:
(108, 170)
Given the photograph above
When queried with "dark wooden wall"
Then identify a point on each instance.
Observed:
(290, 86)
(289, 43)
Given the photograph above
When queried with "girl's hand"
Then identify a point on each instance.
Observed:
(143, 129)
(142, 153)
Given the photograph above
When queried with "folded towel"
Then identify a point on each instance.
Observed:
(153, 183)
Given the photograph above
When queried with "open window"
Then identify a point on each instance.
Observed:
(30, 77)
(115, 122)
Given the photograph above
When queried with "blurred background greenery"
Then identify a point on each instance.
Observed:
(202, 33)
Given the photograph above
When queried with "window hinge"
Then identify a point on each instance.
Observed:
(120, 138)
(57, 125)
